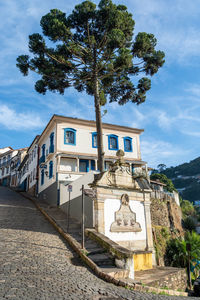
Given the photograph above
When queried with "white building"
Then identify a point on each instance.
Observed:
(29, 169)
(68, 150)
(9, 162)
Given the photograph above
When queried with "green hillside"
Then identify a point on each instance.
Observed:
(186, 179)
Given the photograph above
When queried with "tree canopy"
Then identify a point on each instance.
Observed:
(93, 50)
(163, 178)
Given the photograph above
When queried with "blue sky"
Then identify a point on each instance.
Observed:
(171, 113)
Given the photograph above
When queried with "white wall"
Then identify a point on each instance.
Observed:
(113, 205)
(68, 164)
(47, 181)
(84, 141)
(46, 140)
(7, 158)
(33, 157)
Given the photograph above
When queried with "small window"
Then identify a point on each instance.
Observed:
(113, 142)
(42, 177)
(43, 149)
(128, 144)
(94, 140)
(69, 136)
(84, 165)
(52, 138)
(93, 165)
(50, 169)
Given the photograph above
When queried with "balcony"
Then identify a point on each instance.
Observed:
(42, 159)
(51, 149)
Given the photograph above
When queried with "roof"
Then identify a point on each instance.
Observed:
(91, 123)
(157, 182)
(6, 152)
(35, 139)
(3, 150)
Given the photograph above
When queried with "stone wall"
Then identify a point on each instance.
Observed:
(159, 213)
(166, 213)
(175, 280)
(166, 220)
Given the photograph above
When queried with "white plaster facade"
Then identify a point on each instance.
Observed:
(9, 162)
(69, 161)
(29, 168)
(111, 206)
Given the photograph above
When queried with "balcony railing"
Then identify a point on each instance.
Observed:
(51, 149)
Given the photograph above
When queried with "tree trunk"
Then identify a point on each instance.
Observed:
(98, 119)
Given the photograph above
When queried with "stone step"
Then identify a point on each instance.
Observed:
(102, 259)
(92, 251)
(115, 272)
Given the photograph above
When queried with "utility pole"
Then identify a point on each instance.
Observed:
(83, 219)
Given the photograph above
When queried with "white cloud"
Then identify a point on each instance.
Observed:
(158, 151)
(194, 89)
(13, 120)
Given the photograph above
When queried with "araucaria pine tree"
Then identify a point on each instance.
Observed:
(93, 50)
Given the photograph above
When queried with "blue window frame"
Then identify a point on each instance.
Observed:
(132, 168)
(42, 158)
(94, 140)
(84, 165)
(43, 149)
(93, 165)
(42, 177)
(128, 144)
(50, 169)
(113, 142)
(70, 136)
(51, 147)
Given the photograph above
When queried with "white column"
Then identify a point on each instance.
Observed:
(77, 164)
(89, 164)
(58, 163)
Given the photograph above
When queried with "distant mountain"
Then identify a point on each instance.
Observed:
(186, 179)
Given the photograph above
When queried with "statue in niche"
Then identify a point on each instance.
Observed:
(125, 218)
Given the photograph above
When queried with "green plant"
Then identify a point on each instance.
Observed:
(93, 50)
(189, 223)
(187, 208)
(163, 178)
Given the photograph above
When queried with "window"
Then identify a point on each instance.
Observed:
(43, 150)
(94, 140)
(113, 142)
(42, 158)
(93, 165)
(51, 147)
(69, 136)
(50, 169)
(42, 177)
(84, 165)
(128, 144)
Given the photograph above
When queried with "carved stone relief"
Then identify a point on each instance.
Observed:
(125, 218)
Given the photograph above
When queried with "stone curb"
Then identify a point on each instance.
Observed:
(75, 245)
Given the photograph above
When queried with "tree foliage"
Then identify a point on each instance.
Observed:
(163, 178)
(187, 208)
(176, 252)
(93, 50)
(189, 223)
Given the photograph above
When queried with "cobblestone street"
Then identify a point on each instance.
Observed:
(35, 263)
